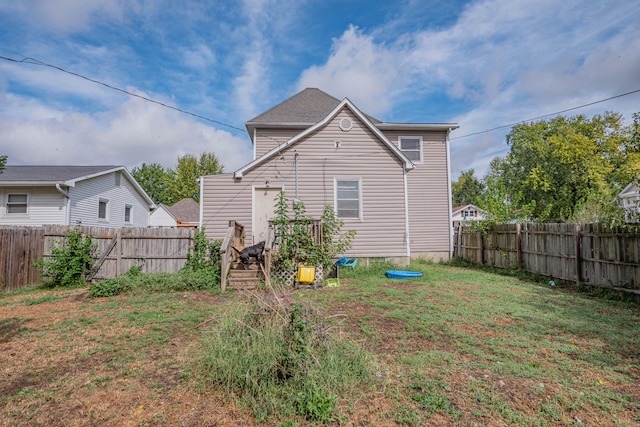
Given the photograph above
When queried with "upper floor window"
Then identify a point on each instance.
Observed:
(103, 209)
(411, 146)
(17, 203)
(127, 213)
(348, 198)
(470, 213)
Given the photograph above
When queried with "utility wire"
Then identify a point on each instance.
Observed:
(546, 115)
(44, 64)
(33, 61)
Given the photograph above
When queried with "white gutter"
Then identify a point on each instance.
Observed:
(406, 213)
(201, 202)
(446, 141)
(66, 204)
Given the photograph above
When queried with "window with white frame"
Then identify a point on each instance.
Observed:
(103, 209)
(17, 203)
(127, 213)
(348, 198)
(411, 146)
(470, 213)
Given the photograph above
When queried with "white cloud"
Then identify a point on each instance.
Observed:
(132, 133)
(68, 16)
(359, 69)
(199, 57)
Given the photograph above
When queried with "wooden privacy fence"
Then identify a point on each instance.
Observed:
(591, 254)
(155, 250)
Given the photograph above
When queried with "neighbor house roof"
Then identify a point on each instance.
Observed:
(51, 174)
(457, 209)
(68, 176)
(186, 210)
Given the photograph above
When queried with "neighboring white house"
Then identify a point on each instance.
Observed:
(102, 196)
(466, 213)
(185, 213)
(629, 198)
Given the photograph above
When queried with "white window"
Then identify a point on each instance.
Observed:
(348, 199)
(17, 203)
(411, 146)
(103, 209)
(118, 175)
(127, 213)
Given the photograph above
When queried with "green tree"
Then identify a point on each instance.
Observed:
(467, 190)
(153, 178)
(560, 163)
(184, 181)
(3, 162)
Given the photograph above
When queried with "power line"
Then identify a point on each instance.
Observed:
(33, 61)
(546, 115)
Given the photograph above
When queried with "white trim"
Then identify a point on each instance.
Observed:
(201, 204)
(17, 214)
(130, 220)
(335, 197)
(106, 210)
(406, 214)
(420, 148)
(408, 164)
(417, 126)
(449, 201)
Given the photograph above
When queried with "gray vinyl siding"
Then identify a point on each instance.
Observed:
(84, 198)
(380, 232)
(267, 139)
(428, 195)
(45, 206)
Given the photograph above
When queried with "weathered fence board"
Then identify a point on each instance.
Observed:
(155, 250)
(591, 254)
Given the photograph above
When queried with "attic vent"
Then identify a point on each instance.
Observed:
(346, 124)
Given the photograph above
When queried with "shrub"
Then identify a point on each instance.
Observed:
(70, 262)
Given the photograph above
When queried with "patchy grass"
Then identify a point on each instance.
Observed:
(457, 346)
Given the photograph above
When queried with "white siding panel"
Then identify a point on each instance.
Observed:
(225, 199)
(86, 195)
(268, 139)
(45, 206)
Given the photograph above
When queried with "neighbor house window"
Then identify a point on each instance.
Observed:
(118, 179)
(411, 146)
(17, 203)
(127, 213)
(348, 198)
(470, 213)
(103, 209)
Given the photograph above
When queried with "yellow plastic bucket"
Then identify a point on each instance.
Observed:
(305, 274)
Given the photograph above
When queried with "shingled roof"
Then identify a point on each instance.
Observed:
(50, 174)
(186, 210)
(302, 110)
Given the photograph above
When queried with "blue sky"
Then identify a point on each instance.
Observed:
(481, 64)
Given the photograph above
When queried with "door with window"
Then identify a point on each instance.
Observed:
(264, 203)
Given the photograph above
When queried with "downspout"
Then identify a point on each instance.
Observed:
(66, 203)
(201, 201)
(406, 214)
(446, 142)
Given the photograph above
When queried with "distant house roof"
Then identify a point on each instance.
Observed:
(457, 209)
(186, 210)
(51, 174)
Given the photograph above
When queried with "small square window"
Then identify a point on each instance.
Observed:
(411, 146)
(17, 203)
(103, 209)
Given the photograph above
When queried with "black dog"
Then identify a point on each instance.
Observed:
(254, 251)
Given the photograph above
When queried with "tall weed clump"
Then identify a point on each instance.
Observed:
(70, 262)
(279, 359)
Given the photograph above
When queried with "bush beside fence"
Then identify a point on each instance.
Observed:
(155, 250)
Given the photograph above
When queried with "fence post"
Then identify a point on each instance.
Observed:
(519, 245)
(118, 253)
(578, 248)
(481, 247)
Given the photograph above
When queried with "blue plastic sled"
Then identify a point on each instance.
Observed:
(399, 274)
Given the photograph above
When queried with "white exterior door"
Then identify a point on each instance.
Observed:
(264, 202)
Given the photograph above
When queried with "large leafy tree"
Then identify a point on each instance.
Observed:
(3, 161)
(467, 189)
(560, 163)
(183, 182)
(153, 178)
